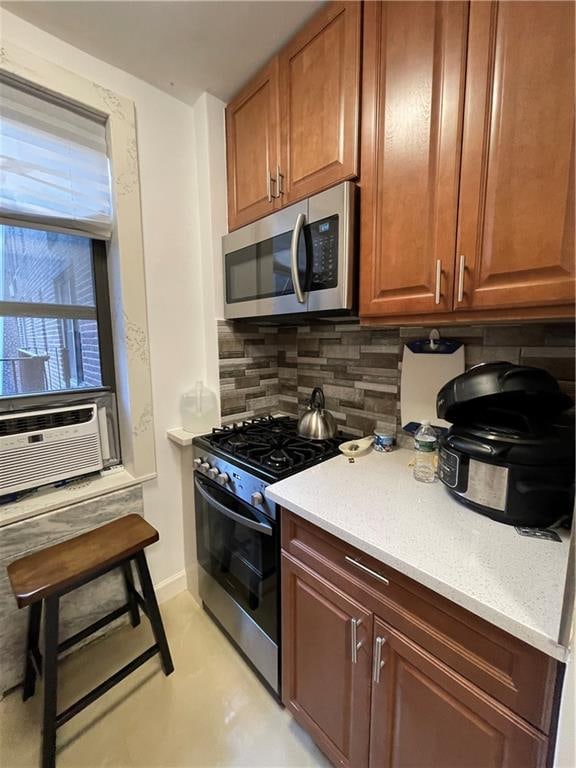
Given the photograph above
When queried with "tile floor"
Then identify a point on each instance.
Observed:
(212, 711)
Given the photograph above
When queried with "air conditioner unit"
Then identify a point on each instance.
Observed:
(43, 447)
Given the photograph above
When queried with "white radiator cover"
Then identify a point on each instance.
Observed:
(46, 446)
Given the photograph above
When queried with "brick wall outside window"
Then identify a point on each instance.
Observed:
(50, 353)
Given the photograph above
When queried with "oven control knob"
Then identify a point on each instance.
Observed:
(197, 462)
(213, 473)
(204, 466)
(256, 499)
(223, 478)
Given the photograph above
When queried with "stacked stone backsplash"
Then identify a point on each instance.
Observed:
(272, 369)
(249, 382)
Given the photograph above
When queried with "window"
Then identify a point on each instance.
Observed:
(55, 217)
(54, 313)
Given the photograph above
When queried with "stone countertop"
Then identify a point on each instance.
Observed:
(513, 581)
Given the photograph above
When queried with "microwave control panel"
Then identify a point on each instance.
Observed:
(323, 236)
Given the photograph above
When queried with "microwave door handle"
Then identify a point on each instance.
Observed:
(246, 522)
(300, 221)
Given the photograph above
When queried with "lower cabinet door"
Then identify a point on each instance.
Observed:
(326, 652)
(424, 715)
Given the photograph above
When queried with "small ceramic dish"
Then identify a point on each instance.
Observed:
(354, 448)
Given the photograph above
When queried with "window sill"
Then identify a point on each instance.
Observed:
(49, 499)
(180, 436)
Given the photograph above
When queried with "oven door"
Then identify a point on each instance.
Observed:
(238, 548)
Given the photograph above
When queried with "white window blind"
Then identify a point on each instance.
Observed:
(54, 169)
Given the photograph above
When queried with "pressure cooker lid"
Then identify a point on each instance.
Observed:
(523, 388)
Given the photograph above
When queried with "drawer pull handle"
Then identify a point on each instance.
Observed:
(365, 569)
(354, 624)
(378, 663)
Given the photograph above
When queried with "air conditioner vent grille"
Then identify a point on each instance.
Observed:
(36, 422)
(40, 463)
(45, 447)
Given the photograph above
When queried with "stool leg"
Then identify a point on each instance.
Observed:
(50, 682)
(154, 612)
(129, 584)
(34, 618)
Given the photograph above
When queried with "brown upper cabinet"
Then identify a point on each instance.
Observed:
(467, 161)
(293, 130)
(414, 68)
(516, 219)
(252, 148)
(320, 98)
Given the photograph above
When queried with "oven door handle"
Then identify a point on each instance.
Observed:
(264, 528)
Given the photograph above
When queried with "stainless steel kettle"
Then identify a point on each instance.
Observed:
(316, 423)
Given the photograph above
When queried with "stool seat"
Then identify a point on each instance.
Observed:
(54, 569)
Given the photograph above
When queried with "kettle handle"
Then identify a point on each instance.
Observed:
(317, 398)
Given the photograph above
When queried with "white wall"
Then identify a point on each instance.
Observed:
(177, 247)
(211, 224)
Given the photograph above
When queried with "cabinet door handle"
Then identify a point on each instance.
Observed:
(461, 274)
(271, 181)
(378, 663)
(280, 177)
(354, 624)
(438, 281)
(362, 567)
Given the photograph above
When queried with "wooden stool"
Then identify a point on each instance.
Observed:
(47, 575)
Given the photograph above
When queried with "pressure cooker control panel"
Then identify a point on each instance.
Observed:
(448, 467)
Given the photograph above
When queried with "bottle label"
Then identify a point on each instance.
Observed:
(426, 443)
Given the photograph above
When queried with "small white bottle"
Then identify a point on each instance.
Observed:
(425, 442)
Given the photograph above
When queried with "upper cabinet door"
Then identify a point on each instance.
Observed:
(413, 85)
(252, 149)
(320, 92)
(516, 228)
(425, 714)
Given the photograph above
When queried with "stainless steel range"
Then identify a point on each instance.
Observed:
(238, 531)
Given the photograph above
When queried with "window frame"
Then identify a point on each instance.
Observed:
(126, 267)
(100, 313)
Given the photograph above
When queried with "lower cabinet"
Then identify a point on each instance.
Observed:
(377, 694)
(327, 662)
(426, 716)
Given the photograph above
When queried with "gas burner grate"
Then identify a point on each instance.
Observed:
(273, 444)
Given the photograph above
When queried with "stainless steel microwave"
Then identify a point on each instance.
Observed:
(297, 260)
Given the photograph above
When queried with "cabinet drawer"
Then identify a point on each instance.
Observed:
(514, 673)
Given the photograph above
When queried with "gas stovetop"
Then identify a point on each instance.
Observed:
(271, 445)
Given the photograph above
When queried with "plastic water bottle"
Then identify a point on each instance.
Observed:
(425, 442)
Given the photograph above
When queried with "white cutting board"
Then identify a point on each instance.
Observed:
(423, 375)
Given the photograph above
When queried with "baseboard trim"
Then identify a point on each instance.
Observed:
(171, 586)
